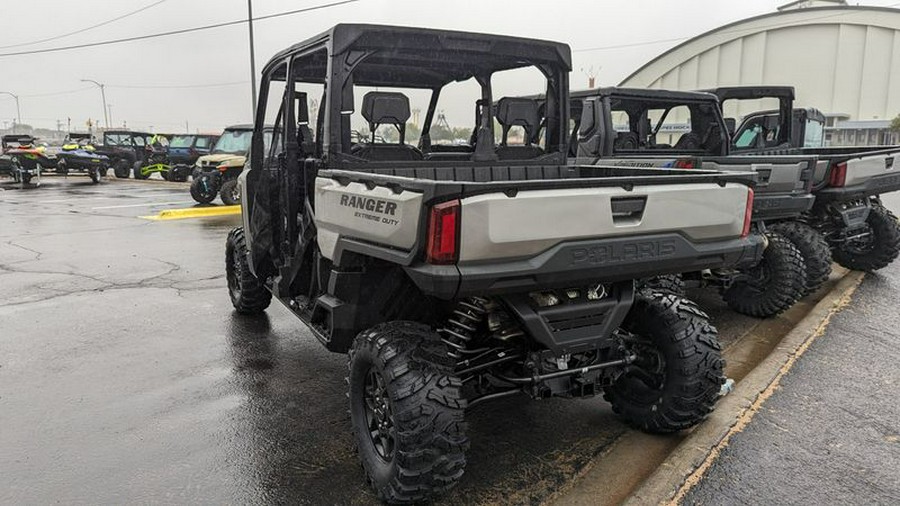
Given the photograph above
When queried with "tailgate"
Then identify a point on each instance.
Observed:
(861, 169)
(495, 226)
(777, 174)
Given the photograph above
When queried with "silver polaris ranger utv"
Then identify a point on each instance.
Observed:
(460, 272)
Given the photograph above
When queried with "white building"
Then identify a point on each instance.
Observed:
(843, 60)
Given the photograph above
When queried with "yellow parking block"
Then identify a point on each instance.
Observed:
(194, 212)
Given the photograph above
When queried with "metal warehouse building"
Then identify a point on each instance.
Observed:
(843, 60)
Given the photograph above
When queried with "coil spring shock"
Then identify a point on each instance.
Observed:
(462, 325)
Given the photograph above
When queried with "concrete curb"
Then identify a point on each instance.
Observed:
(686, 465)
(194, 212)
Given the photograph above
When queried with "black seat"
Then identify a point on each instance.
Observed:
(386, 108)
(523, 112)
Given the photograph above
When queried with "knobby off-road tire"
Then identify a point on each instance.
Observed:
(407, 412)
(814, 248)
(676, 380)
(883, 248)
(121, 169)
(669, 284)
(773, 285)
(247, 292)
(230, 193)
(138, 174)
(201, 194)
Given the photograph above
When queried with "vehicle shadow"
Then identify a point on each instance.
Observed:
(292, 439)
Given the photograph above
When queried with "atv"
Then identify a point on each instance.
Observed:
(454, 275)
(217, 173)
(79, 154)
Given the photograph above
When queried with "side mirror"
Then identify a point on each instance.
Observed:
(730, 126)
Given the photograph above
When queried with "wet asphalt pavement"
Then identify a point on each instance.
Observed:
(831, 433)
(125, 376)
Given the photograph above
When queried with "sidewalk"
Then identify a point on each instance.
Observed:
(831, 433)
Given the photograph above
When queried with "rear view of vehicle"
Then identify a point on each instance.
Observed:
(685, 130)
(216, 173)
(862, 233)
(453, 274)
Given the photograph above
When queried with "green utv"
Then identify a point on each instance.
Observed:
(456, 274)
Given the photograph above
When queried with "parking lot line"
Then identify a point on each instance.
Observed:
(148, 204)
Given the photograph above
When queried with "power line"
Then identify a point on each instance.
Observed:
(98, 25)
(177, 32)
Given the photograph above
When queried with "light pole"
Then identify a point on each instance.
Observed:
(103, 96)
(19, 111)
(252, 57)
(110, 116)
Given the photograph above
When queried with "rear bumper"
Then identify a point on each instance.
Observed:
(877, 185)
(582, 262)
(772, 207)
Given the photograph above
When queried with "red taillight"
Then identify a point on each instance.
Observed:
(443, 227)
(748, 213)
(684, 164)
(838, 175)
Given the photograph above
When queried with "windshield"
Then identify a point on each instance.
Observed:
(815, 132)
(234, 141)
(182, 141)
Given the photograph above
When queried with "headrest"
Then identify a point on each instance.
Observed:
(382, 107)
(524, 112)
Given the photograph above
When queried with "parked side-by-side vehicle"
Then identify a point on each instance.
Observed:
(457, 274)
(863, 234)
(217, 172)
(686, 130)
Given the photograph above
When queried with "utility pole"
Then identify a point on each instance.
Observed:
(109, 119)
(252, 57)
(19, 111)
(103, 96)
(187, 129)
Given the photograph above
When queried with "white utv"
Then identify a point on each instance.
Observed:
(454, 274)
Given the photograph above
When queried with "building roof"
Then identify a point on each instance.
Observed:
(878, 124)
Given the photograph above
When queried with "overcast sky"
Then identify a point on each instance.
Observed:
(203, 78)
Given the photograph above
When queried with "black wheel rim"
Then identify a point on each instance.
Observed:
(235, 195)
(861, 245)
(379, 417)
(645, 379)
(234, 281)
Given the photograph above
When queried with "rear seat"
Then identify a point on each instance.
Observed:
(523, 112)
(386, 108)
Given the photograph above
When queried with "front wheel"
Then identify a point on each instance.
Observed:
(203, 190)
(138, 171)
(876, 249)
(407, 412)
(247, 292)
(773, 285)
(230, 193)
(676, 379)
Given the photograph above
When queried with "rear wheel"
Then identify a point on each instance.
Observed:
(878, 248)
(95, 174)
(773, 285)
(247, 292)
(675, 382)
(203, 190)
(814, 248)
(666, 284)
(407, 412)
(120, 169)
(230, 193)
(62, 167)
